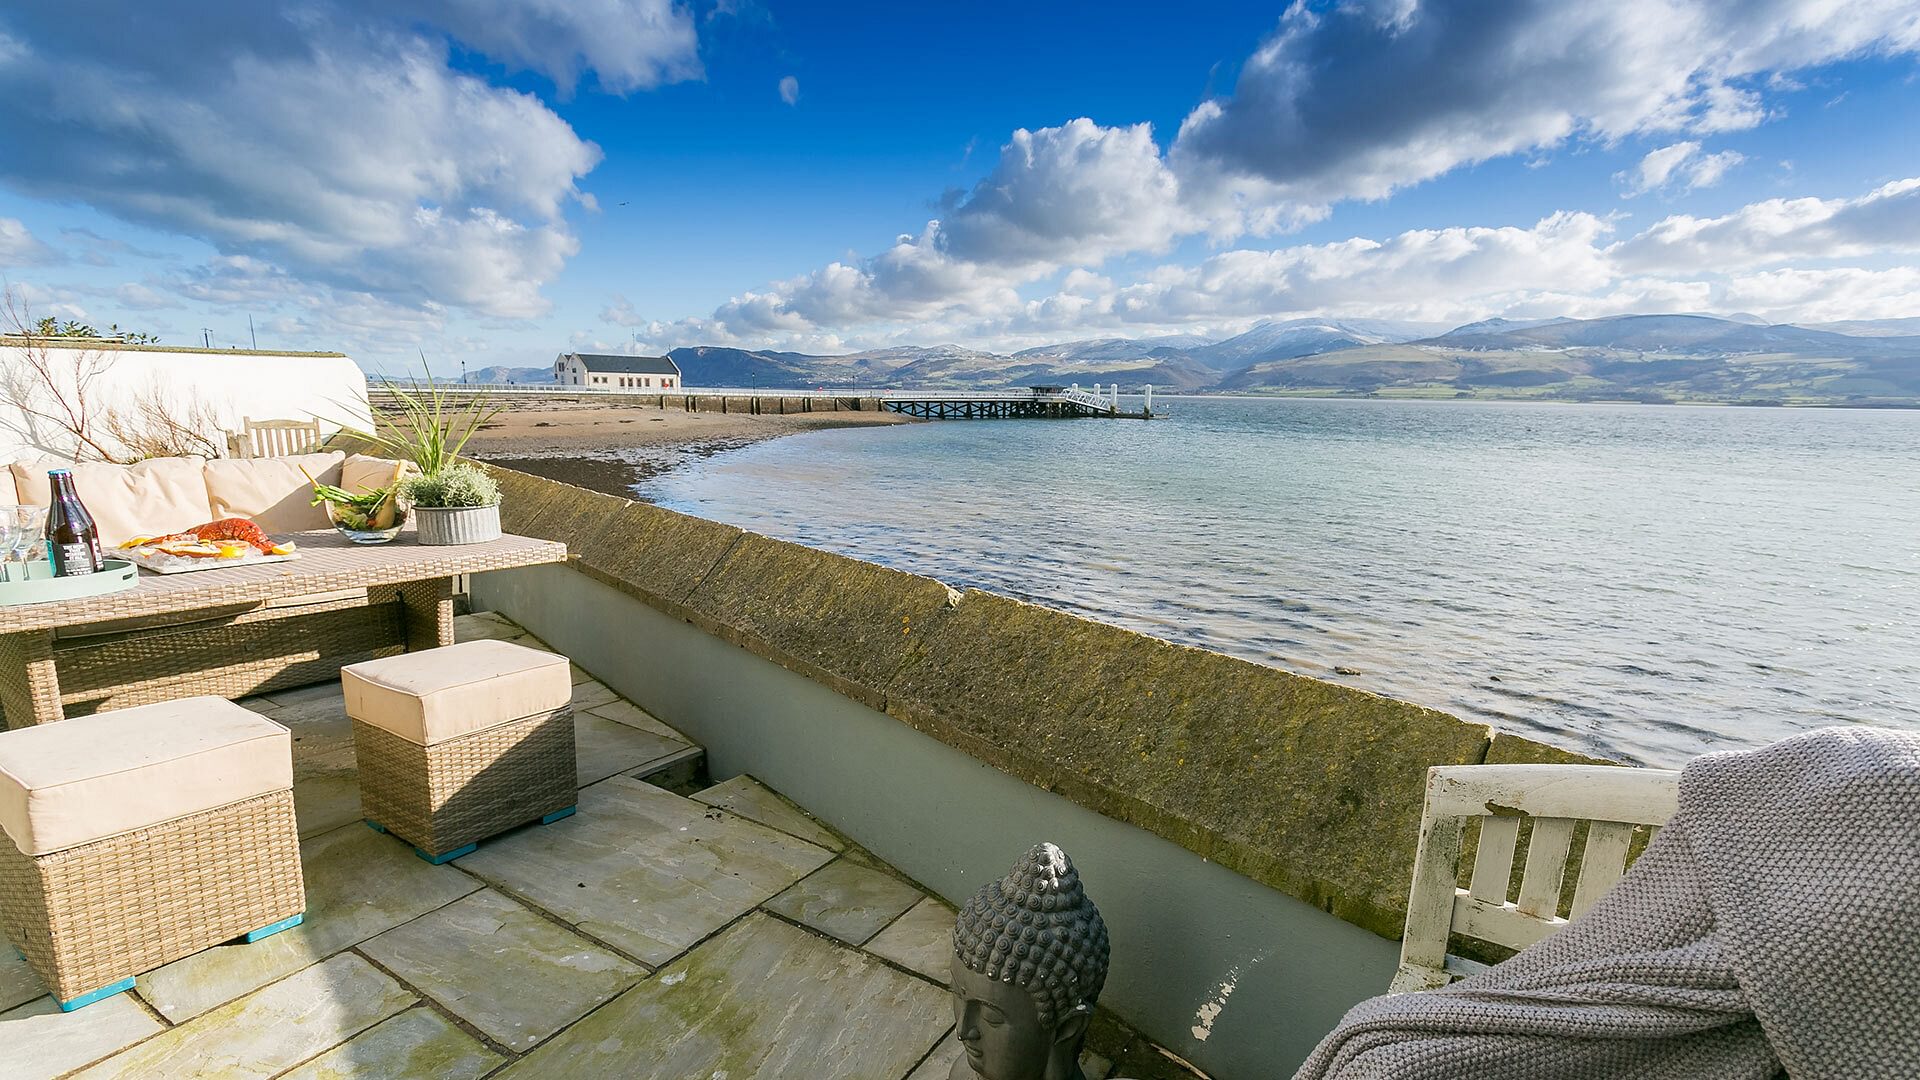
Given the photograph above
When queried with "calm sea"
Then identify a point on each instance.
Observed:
(1643, 581)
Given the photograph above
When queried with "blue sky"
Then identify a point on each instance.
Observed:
(494, 183)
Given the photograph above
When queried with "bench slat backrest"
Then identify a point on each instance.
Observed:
(278, 438)
(1613, 801)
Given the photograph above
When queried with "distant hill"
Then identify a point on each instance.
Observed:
(1655, 357)
(1639, 357)
(519, 376)
(1304, 337)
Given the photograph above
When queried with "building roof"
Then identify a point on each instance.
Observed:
(612, 364)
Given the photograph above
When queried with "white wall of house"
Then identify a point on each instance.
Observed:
(232, 384)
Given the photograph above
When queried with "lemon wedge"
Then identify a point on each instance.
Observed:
(287, 548)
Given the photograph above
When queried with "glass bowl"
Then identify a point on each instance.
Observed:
(355, 527)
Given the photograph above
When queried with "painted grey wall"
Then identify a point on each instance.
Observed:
(1186, 932)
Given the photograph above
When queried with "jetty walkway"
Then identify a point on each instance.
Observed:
(1039, 402)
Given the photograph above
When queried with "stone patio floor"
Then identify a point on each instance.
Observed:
(725, 934)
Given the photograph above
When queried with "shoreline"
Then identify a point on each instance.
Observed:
(611, 448)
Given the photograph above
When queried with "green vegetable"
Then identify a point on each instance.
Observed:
(355, 510)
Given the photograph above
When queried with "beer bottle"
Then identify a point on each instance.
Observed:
(73, 544)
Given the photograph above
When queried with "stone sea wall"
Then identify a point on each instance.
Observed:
(1311, 788)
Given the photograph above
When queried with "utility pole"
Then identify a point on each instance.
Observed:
(250, 334)
(206, 337)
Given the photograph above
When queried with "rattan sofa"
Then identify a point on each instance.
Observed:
(232, 651)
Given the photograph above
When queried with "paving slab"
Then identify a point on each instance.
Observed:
(626, 712)
(18, 983)
(592, 694)
(417, 1043)
(299, 695)
(755, 801)
(604, 747)
(359, 883)
(847, 900)
(921, 940)
(326, 792)
(38, 1041)
(645, 870)
(939, 1064)
(320, 727)
(762, 999)
(270, 1030)
(510, 973)
(577, 673)
(483, 625)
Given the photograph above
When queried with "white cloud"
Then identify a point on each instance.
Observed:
(626, 45)
(1568, 263)
(620, 312)
(1078, 192)
(1681, 164)
(334, 139)
(19, 247)
(1885, 220)
(790, 90)
(1360, 99)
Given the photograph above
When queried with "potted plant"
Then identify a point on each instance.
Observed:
(452, 501)
(460, 504)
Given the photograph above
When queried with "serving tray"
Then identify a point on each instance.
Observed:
(41, 587)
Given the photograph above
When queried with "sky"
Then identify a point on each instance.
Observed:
(480, 182)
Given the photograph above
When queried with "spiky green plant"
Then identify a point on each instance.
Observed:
(432, 426)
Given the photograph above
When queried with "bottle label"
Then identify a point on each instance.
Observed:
(73, 560)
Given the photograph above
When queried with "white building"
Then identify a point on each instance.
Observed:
(209, 390)
(610, 372)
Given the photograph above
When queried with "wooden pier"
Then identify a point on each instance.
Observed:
(1039, 402)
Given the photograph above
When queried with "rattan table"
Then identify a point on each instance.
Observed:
(243, 629)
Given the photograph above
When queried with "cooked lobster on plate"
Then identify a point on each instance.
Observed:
(227, 538)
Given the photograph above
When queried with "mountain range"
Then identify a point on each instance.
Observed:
(1685, 357)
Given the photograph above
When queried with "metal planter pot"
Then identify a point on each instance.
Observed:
(442, 525)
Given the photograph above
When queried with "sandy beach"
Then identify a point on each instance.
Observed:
(610, 448)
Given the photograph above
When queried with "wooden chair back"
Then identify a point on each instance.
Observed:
(1613, 801)
(277, 438)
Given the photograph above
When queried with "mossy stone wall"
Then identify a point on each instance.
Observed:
(1312, 788)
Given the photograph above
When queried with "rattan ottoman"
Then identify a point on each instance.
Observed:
(137, 837)
(461, 743)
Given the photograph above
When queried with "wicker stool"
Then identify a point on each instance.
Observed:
(140, 836)
(461, 743)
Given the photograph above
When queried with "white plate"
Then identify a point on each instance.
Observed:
(149, 559)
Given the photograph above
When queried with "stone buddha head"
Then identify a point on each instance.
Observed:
(1029, 959)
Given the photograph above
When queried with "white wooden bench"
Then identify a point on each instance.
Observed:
(1555, 798)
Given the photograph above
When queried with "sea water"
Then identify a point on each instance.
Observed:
(1646, 582)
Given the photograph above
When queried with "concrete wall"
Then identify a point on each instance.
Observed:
(1245, 827)
(263, 385)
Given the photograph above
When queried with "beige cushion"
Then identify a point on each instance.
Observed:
(432, 696)
(272, 491)
(362, 473)
(74, 781)
(150, 498)
(30, 478)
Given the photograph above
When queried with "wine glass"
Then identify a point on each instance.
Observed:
(25, 524)
(8, 527)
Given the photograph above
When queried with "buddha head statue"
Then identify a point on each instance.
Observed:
(1029, 959)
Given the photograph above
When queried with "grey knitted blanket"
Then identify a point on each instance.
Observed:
(1772, 929)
